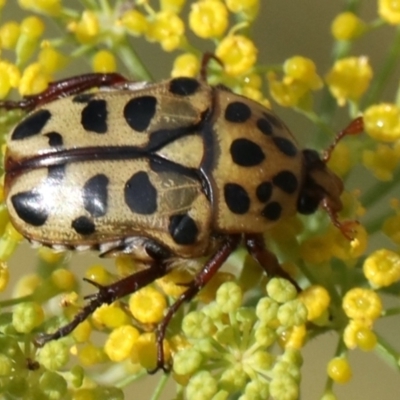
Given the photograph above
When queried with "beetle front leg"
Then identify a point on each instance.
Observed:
(268, 261)
(63, 88)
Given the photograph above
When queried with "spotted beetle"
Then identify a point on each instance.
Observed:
(161, 172)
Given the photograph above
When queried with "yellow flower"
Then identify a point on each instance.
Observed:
(51, 59)
(50, 7)
(389, 11)
(34, 80)
(186, 64)
(208, 18)
(382, 268)
(237, 53)
(362, 304)
(382, 122)
(347, 26)
(87, 29)
(135, 22)
(349, 78)
(120, 343)
(382, 161)
(104, 61)
(316, 299)
(9, 78)
(358, 334)
(339, 370)
(9, 34)
(167, 29)
(302, 69)
(148, 305)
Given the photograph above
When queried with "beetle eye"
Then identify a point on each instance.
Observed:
(307, 204)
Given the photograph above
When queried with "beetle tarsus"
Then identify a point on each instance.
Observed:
(354, 128)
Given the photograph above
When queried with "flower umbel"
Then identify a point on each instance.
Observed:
(244, 333)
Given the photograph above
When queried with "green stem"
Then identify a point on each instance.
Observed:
(374, 225)
(132, 61)
(18, 300)
(389, 65)
(340, 349)
(387, 352)
(378, 191)
(160, 387)
(391, 311)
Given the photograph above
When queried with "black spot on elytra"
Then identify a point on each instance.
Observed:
(95, 195)
(140, 194)
(183, 229)
(55, 139)
(139, 111)
(237, 112)
(264, 191)
(236, 198)
(32, 125)
(83, 225)
(183, 86)
(29, 206)
(246, 153)
(285, 146)
(94, 116)
(286, 181)
(272, 211)
(265, 126)
(83, 97)
(274, 120)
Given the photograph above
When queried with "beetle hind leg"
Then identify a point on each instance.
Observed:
(107, 295)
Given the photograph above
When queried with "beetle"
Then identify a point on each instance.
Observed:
(168, 171)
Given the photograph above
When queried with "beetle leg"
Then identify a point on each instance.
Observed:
(268, 261)
(354, 128)
(107, 295)
(200, 280)
(65, 87)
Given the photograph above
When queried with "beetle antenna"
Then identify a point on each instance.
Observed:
(354, 128)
